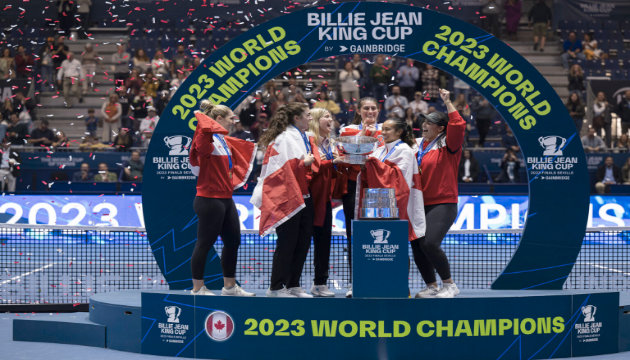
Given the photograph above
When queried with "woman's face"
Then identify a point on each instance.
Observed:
(466, 154)
(302, 120)
(6, 53)
(348, 66)
(430, 130)
(574, 97)
(389, 131)
(369, 112)
(226, 121)
(601, 96)
(325, 124)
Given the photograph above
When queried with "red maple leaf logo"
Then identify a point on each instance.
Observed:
(219, 325)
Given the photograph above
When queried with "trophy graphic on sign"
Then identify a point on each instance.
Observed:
(178, 144)
(173, 313)
(589, 313)
(552, 144)
(380, 236)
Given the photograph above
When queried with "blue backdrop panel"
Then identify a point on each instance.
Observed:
(508, 326)
(553, 154)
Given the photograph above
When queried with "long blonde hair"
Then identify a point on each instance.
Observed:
(209, 108)
(313, 126)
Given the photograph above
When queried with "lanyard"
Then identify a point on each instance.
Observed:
(227, 150)
(422, 152)
(305, 139)
(327, 151)
(391, 151)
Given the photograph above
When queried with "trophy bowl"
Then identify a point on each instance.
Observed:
(356, 148)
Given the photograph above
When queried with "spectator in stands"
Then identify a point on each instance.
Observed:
(139, 106)
(240, 132)
(324, 102)
(540, 17)
(89, 62)
(22, 106)
(181, 60)
(358, 64)
(575, 106)
(162, 101)
(111, 111)
(91, 143)
(591, 49)
(7, 65)
(151, 84)
(623, 111)
(510, 166)
(280, 101)
(83, 174)
(61, 140)
(572, 50)
(622, 144)
(91, 123)
(42, 135)
(407, 77)
(349, 78)
(16, 132)
(380, 76)
(4, 125)
(430, 86)
(123, 140)
(83, 11)
(104, 175)
(254, 112)
(60, 53)
(141, 61)
(508, 140)
(124, 99)
(601, 116)
(148, 124)
(177, 80)
(160, 65)
(460, 87)
(592, 143)
(66, 10)
(46, 66)
(7, 108)
(414, 122)
(491, 12)
(625, 172)
(133, 168)
(121, 59)
(576, 80)
(418, 105)
(395, 104)
(512, 11)
(607, 174)
(484, 113)
(23, 63)
(468, 167)
(69, 79)
(9, 166)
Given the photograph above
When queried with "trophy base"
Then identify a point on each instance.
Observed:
(355, 159)
(378, 213)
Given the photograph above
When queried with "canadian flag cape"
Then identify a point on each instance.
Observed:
(399, 170)
(278, 193)
(242, 152)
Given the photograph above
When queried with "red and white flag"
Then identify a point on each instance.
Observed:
(219, 326)
(398, 169)
(283, 180)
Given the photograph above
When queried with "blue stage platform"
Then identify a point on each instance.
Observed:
(499, 324)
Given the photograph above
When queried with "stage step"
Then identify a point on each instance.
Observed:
(120, 313)
(73, 329)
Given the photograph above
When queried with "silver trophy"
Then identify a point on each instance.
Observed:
(356, 149)
(379, 204)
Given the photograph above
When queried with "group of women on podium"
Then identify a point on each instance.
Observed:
(302, 172)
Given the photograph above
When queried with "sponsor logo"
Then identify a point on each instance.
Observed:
(589, 313)
(380, 236)
(553, 145)
(178, 144)
(219, 326)
(173, 313)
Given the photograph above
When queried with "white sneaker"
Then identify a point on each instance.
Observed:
(449, 290)
(236, 291)
(284, 293)
(299, 292)
(427, 292)
(202, 291)
(321, 291)
(349, 292)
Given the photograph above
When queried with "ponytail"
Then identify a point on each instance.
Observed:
(214, 111)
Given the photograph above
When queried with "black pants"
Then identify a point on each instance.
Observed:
(349, 200)
(427, 252)
(216, 217)
(294, 240)
(483, 127)
(321, 257)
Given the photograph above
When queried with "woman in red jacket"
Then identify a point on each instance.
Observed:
(439, 152)
(283, 197)
(222, 164)
(364, 124)
(321, 126)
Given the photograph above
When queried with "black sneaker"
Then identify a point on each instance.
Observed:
(542, 49)
(535, 46)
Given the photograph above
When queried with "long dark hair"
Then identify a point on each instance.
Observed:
(281, 120)
(357, 114)
(407, 132)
